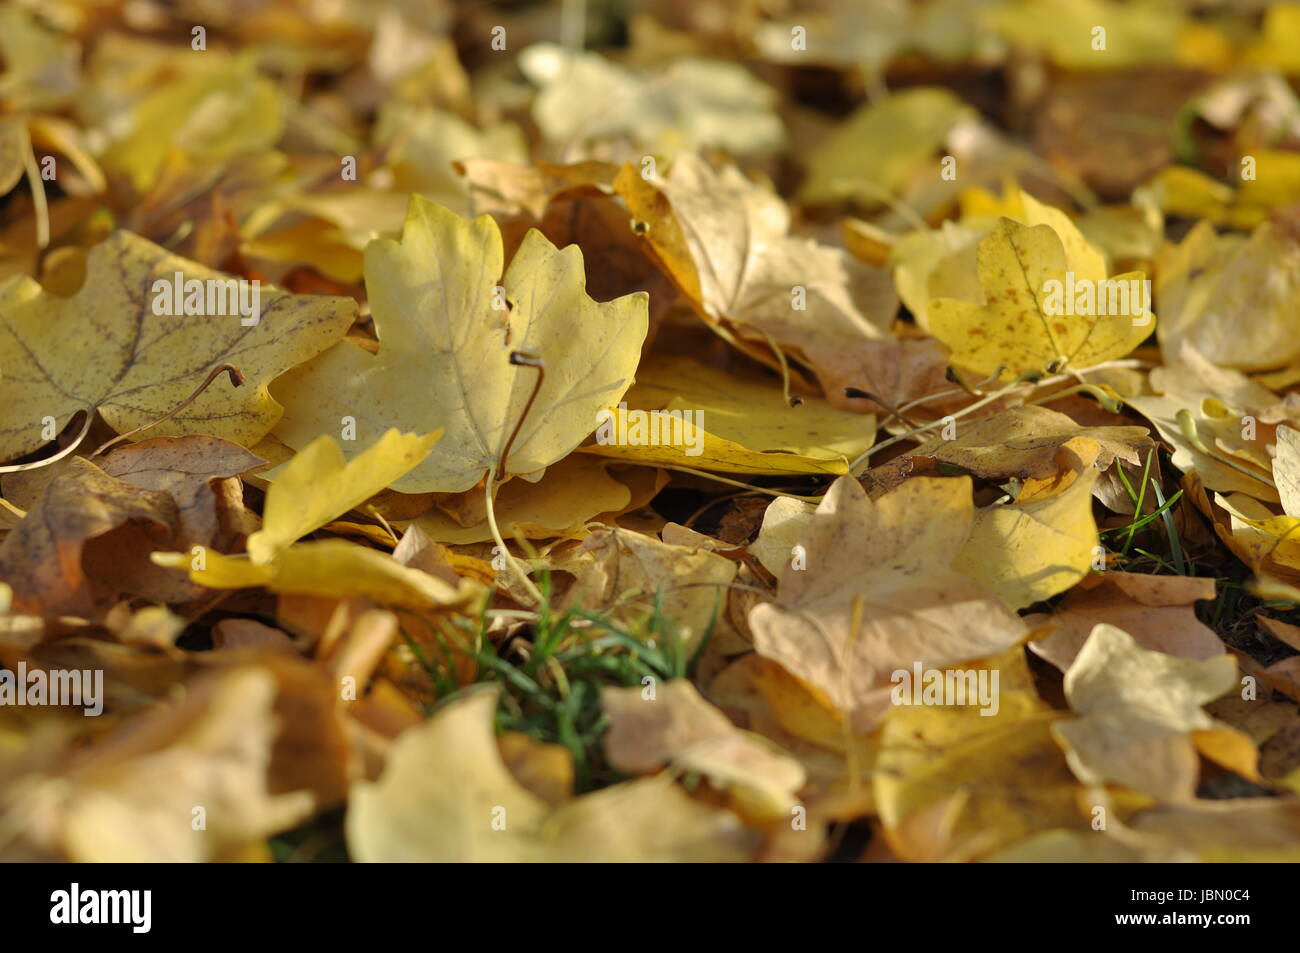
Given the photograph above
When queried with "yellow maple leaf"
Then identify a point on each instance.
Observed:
(445, 339)
(1044, 310)
(107, 348)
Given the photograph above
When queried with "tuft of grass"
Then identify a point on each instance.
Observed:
(551, 675)
(1163, 550)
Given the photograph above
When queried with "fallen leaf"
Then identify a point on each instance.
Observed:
(1231, 296)
(185, 468)
(1008, 776)
(750, 410)
(560, 504)
(657, 439)
(784, 523)
(1137, 711)
(1027, 552)
(1143, 34)
(893, 373)
(140, 365)
(623, 573)
(1259, 830)
(758, 283)
(135, 797)
(319, 484)
(329, 567)
(218, 107)
(1021, 328)
(1024, 443)
(427, 141)
(1156, 610)
(15, 147)
(1190, 382)
(42, 557)
(446, 796)
(696, 103)
(675, 725)
(444, 357)
(872, 153)
(874, 596)
(544, 769)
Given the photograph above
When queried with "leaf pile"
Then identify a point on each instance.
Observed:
(729, 432)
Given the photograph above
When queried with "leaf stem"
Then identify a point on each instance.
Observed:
(37, 185)
(37, 464)
(520, 358)
(858, 466)
(744, 486)
(523, 358)
(1108, 403)
(501, 543)
(1027, 378)
(236, 379)
(785, 369)
(1188, 427)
